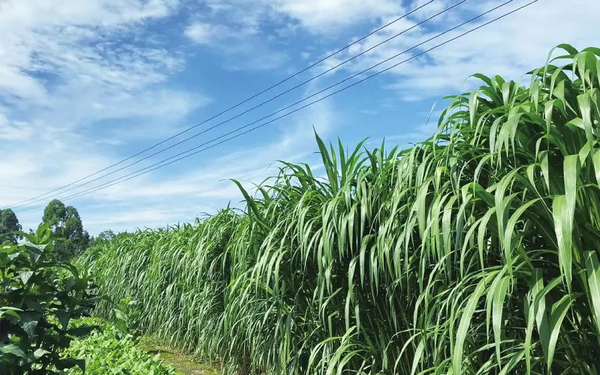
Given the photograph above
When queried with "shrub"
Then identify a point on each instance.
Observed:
(108, 351)
(39, 299)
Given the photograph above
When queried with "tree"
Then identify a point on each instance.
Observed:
(65, 223)
(107, 235)
(9, 224)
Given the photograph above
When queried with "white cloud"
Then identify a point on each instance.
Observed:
(68, 70)
(238, 42)
(235, 27)
(13, 131)
(157, 200)
(39, 36)
(510, 47)
(75, 59)
(151, 217)
(323, 16)
(206, 33)
(80, 72)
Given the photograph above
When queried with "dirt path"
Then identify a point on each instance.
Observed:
(182, 362)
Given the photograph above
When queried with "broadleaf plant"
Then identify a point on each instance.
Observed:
(39, 297)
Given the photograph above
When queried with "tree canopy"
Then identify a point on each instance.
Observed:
(9, 223)
(65, 223)
(107, 235)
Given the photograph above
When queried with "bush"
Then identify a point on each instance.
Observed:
(108, 351)
(39, 298)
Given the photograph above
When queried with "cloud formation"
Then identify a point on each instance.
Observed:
(86, 84)
(509, 47)
(68, 70)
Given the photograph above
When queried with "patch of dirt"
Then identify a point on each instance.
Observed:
(182, 362)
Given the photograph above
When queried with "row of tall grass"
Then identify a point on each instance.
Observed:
(475, 251)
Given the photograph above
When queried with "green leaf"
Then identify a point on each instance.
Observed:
(120, 315)
(12, 311)
(29, 322)
(38, 353)
(463, 328)
(593, 279)
(63, 317)
(596, 162)
(25, 276)
(13, 350)
(586, 113)
(558, 312)
(252, 205)
(417, 358)
(329, 165)
(498, 306)
(563, 225)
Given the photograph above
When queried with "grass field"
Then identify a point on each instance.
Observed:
(475, 251)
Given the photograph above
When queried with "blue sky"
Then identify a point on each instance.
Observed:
(84, 84)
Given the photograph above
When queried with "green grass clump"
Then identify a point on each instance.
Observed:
(108, 351)
(475, 251)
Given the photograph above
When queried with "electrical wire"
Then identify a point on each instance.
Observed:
(183, 155)
(255, 107)
(35, 199)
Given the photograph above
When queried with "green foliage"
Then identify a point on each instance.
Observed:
(475, 251)
(9, 224)
(107, 235)
(125, 316)
(107, 351)
(66, 224)
(39, 298)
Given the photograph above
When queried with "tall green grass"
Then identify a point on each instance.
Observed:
(475, 251)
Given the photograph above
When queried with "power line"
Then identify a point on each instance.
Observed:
(31, 201)
(182, 155)
(199, 148)
(35, 199)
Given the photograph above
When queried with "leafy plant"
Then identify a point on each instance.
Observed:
(125, 317)
(39, 298)
(107, 351)
(473, 252)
